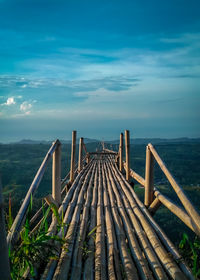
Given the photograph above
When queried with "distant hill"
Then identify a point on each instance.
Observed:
(32, 142)
(145, 141)
(135, 141)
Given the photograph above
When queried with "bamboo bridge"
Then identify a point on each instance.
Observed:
(109, 232)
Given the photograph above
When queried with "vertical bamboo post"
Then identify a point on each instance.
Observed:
(121, 152)
(148, 198)
(4, 263)
(73, 153)
(56, 174)
(127, 150)
(80, 158)
(87, 158)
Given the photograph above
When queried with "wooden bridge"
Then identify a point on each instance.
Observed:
(109, 232)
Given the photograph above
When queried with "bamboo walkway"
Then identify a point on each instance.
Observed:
(109, 232)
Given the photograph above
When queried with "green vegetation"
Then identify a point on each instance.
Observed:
(33, 250)
(190, 250)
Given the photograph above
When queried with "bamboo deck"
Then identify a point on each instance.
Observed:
(109, 233)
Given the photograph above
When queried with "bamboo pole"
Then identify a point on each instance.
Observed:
(50, 200)
(167, 261)
(4, 263)
(133, 244)
(56, 174)
(121, 152)
(87, 158)
(128, 265)
(110, 151)
(81, 234)
(100, 264)
(112, 250)
(20, 218)
(80, 158)
(148, 197)
(73, 154)
(176, 210)
(154, 206)
(135, 176)
(153, 261)
(180, 193)
(161, 234)
(64, 262)
(68, 206)
(84, 147)
(88, 272)
(127, 150)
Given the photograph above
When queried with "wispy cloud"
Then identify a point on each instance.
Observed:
(25, 106)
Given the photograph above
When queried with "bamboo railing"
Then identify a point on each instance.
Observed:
(152, 197)
(20, 218)
(54, 153)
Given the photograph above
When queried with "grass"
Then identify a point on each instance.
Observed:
(33, 250)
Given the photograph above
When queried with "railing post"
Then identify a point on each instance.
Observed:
(121, 152)
(73, 153)
(80, 158)
(149, 178)
(127, 149)
(4, 263)
(88, 158)
(56, 174)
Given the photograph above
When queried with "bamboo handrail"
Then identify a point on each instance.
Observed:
(84, 147)
(20, 218)
(180, 193)
(176, 210)
(110, 151)
(135, 176)
(156, 203)
(162, 199)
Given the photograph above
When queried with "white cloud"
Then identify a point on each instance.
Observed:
(10, 101)
(25, 106)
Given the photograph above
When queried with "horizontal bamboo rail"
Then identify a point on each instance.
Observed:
(135, 176)
(110, 151)
(20, 218)
(104, 153)
(177, 210)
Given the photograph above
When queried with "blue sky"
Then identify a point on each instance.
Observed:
(99, 67)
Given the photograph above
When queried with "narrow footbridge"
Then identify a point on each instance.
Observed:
(109, 232)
